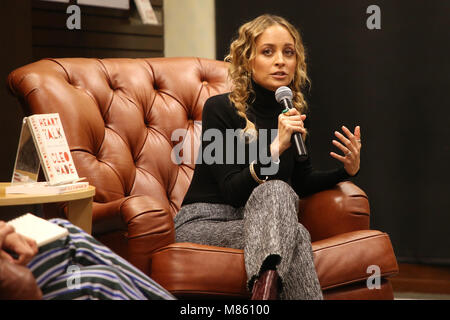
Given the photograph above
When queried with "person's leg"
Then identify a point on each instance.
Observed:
(300, 281)
(80, 250)
(210, 224)
(274, 239)
(95, 282)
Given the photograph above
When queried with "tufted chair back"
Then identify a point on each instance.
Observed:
(122, 119)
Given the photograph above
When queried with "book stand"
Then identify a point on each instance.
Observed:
(27, 164)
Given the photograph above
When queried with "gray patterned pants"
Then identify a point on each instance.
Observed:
(268, 231)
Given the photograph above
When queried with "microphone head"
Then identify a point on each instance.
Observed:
(283, 93)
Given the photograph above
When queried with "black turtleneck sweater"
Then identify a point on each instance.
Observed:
(230, 182)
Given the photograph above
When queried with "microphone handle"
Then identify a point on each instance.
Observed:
(296, 139)
(302, 154)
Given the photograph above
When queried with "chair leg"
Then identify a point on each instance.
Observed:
(266, 286)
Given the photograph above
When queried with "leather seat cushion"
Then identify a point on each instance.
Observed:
(188, 269)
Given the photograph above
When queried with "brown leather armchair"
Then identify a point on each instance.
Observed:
(119, 116)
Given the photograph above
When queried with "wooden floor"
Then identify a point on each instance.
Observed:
(422, 278)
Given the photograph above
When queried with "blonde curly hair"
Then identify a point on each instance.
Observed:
(243, 51)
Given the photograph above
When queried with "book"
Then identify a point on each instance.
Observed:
(146, 12)
(117, 4)
(52, 147)
(38, 229)
(44, 188)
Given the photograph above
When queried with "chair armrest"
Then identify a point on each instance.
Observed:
(133, 226)
(17, 283)
(342, 209)
(147, 222)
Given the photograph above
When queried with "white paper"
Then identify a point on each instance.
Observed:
(38, 229)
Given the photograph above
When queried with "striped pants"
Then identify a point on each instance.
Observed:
(80, 267)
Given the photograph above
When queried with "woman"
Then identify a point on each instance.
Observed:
(77, 267)
(238, 205)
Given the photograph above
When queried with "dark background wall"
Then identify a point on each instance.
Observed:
(104, 33)
(15, 37)
(392, 82)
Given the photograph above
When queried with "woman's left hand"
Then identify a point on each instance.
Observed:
(351, 147)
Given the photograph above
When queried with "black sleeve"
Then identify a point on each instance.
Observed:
(234, 180)
(306, 180)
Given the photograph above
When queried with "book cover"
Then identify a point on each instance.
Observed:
(53, 149)
(146, 11)
(38, 229)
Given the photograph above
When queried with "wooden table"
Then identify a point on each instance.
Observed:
(79, 209)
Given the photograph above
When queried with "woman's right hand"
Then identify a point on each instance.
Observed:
(288, 123)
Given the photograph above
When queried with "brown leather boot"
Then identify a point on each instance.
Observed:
(266, 286)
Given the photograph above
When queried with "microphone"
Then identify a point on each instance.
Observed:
(283, 95)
